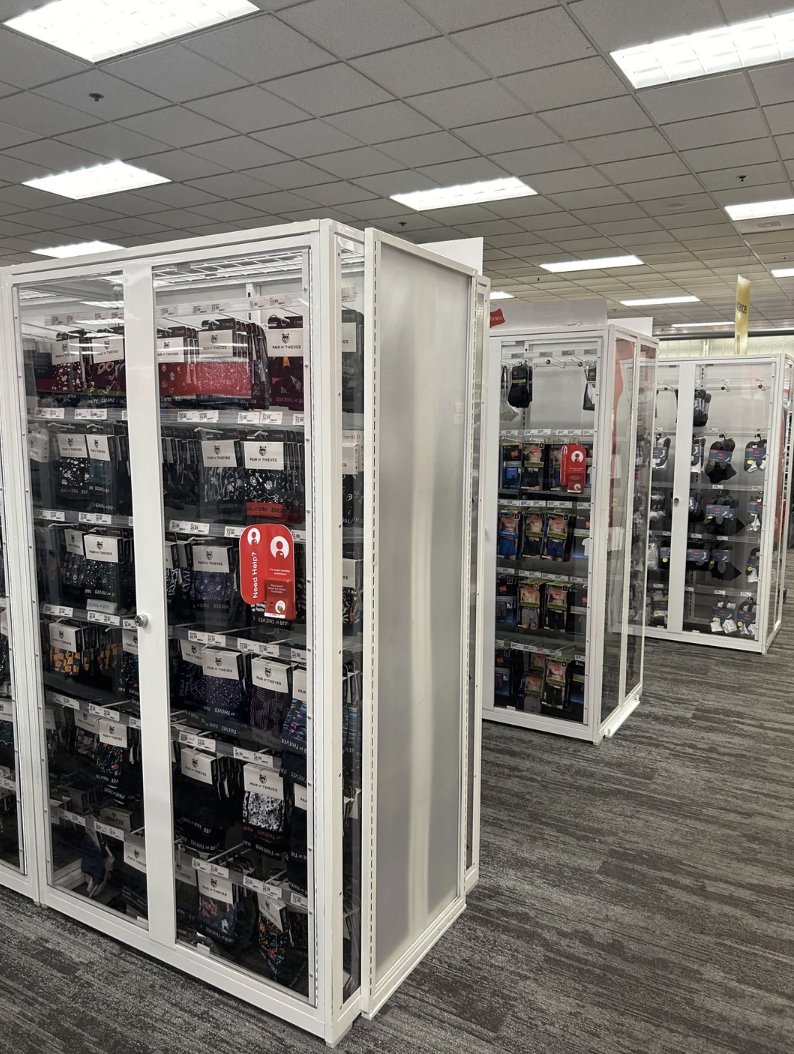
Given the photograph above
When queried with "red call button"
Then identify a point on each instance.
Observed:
(267, 569)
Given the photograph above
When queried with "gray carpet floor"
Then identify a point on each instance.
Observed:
(637, 897)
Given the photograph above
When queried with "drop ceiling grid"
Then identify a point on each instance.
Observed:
(275, 138)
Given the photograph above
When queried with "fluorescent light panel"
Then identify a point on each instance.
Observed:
(499, 294)
(464, 194)
(64, 252)
(745, 44)
(699, 325)
(649, 301)
(114, 177)
(783, 272)
(600, 264)
(756, 210)
(99, 29)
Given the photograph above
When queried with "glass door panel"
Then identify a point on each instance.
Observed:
(785, 469)
(732, 418)
(11, 843)
(233, 349)
(543, 558)
(662, 482)
(74, 361)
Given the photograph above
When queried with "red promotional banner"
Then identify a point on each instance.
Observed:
(497, 317)
(573, 468)
(267, 569)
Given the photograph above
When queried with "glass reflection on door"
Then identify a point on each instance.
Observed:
(663, 462)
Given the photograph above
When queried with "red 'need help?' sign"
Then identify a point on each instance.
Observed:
(267, 569)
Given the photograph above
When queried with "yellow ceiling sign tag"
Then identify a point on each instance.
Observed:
(742, 315)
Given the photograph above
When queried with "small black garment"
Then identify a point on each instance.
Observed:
(661, 451)
(700, 415)
(721, 567)
(718, 466)
(520, 394)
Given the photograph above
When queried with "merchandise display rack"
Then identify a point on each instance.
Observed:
(720, 500)
(225, 509)
(568, 507)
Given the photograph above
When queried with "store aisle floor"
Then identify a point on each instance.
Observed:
(634, 897)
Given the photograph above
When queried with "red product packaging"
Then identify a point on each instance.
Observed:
(267, 569)
(573, 468)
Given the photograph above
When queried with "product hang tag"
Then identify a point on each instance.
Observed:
(63, 352)
(285, 342)
(222, 664)
(272, 910)
(135, 856)
(215, 887)
(74, 542)
(98, 447)
(220, 344)
(267, 456)
(213, 558)
(112, 733)
(272, 675)
(191, 652)
(219, 454)
(350, 573)
(107, 349)
(72, 445)
(39, 446)
(100, 547)
(170, 349)
(196, 765)
(88, 722)
(349, 337)
(263, 781)
(185, 874)
(63, 636)
(129, 641)
(299, 685)
(301, 797)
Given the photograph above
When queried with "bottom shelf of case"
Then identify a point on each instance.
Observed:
(537, 722)
(714, 640)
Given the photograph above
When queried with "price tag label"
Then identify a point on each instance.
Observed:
(252, 647)
(299, 536)
(103, 619)
(233, 532)
(57, 610)
(103, 711)
(188, 527)
(256, 884)
(197, 742)
(51, 413)
(8, 785)
(110, 832)
(271, 417)
(210, 869)
(95, 517)
(299, 901)
(206, 416)
(216, 639)
(74, 817)
(134, 722)
(298, 419)
(90, 415)
(63, 700)
(53, 514)
(249, 417)
(128, 623)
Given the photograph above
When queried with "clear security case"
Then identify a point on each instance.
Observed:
(569, 516)
(720, 495)
(248, 499)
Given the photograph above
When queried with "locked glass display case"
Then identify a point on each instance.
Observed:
(569, 516)
(248, 502)
(720, 495)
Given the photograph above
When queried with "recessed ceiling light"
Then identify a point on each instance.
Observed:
(648, 301)
(500, 294)
(63, 252)
(600, 264)
(756, 210)
(464, 194)
(110, 178)
(752, 43)
(99, 29)
(783, 272)
(699, 325)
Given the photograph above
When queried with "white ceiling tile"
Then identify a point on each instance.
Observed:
(226, 211)
(357, 162)
(377, 209)
(642, 168)
(231, 185)
(180, 219)
(634, 228)
(431, 149)
(238, 153)
(715, 158)
(488, 228)
(702, 98)
(307, 139)
(463, 214)
(785, 143)
(569, 179)
(55, 156)
(402, 182)
(527, 42)
(278, 202)
(418, 68)
(597, 118)
(450, 15)
(607, 213)
(82, 212)
(566, 84)
(563, 235)
(314, 214)
(30, 197)
(740, 195)
(176, 195)
(718, 130)
(378, 124)
(33, 113)
(586, 199)
(13, 170)
(113, 142)
(23, 61)
(551, 222)
(248, 109)
(177, 73)
(539, 159)
(532, 213)
(780, 117)
(773, 84)
(178, 165)
(706, 230)
(91, 232)
(328, 90)
(357, 27)
(177, 126)
(625, 23)
(120, 99)
(136, 225)
(127, 204)
(498, 136)
(468, 104)
(742, 10)
(623, 145)
(416, 228)
(671, 186)
(259, 49)
(41, 219)
(291, 175)
(470, 170)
